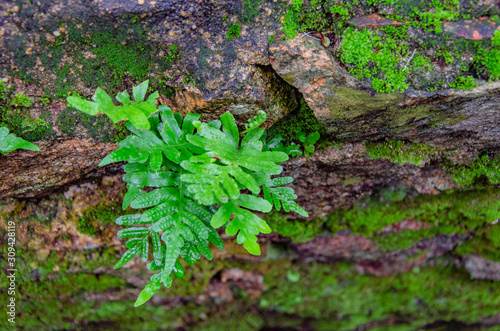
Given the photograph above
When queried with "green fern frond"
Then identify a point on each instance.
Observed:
(190, 176)
(9, 142)
(137, 112)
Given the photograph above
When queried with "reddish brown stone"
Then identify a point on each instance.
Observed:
(475, 30)
(406, 225)
(373, 21)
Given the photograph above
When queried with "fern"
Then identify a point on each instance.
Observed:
(191, 175)
(9, 142)
(276, 144)
(137, 112)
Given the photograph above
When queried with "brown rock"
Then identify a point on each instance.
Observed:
(351, 110)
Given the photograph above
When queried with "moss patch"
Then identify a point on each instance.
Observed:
(302, 120)
(100, 127)
(49, 296)
(448, 213)
(15, 114)
(103, 54)
(401, 152)
(354, 300)
(94, 219)
(484, 166)
(386, 57)
(297, 230)
(485, 242)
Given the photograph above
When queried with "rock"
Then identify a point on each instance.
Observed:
(353, 111)
(471, 29)
(482, 268)
(373, 21)
(59, 163)
(215, 73)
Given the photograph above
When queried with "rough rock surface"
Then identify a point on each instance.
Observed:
(59, 163)
(211, 74)
(352, 110)
(67, 245)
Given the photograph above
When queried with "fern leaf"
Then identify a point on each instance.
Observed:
(156, 197)
(123, 154)
(245, 179)
(155, 239)
(214, 237)
(160, 211)
(88, 107)
(152, 179)
(229, 126)
(9, 142)
(254, 203)
(140, 90)
(252, 141)
(132, 232)
(222, 216)
(174, 245)
(123, 97)
(129, 220)
(127, 256)
(178, 269)
(133, 243)
(202, 246)
(249, 242)
(187, 124)
(198, 171)
(145, 249)
(132, 193)
(148, 291)
(256, 121)
(248, 226)
(190, 253)
(282, 196)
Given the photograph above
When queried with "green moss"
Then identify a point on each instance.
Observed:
(381, 66)
(272, 38)
(103, 55)
(234, 31)
(61, 292)
(98, 127)
(49, 296)
(401, 152)
(450, 212)
(173, 55)
(491, 58)
(432, 20)
(15, 114)
(21, 100)
(249, 11)
(406, 238)
(3, 90)
(302, 120)
(342, 11)
(94, 219)
(297, 230)
(382, 57)
(484, 167)
(485, 242)
(463, 83)
(416, 298)
(446, 55)
(87, 227)
(291, 24)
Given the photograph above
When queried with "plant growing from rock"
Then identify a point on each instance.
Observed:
(294, 149)
(194, 177)
(9, 142)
